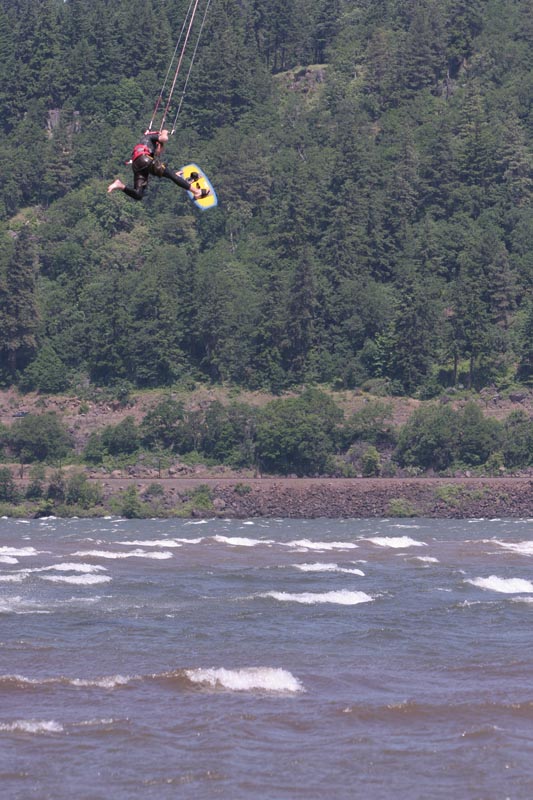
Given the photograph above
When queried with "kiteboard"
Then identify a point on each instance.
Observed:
(194, 175)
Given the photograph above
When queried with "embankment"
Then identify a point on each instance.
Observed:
(338, 497)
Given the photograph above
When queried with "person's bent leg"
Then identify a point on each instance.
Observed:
(173, 176)
(140, 183)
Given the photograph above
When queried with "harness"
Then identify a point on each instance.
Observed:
(140, 150)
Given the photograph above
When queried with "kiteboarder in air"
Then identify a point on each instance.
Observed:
(145, 161)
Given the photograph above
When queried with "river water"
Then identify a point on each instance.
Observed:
(271, 659)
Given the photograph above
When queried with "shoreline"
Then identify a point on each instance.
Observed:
(240, 497)
(356, 497)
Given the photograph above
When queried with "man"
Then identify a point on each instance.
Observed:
(145, 162)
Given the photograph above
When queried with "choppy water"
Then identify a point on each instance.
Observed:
(271, 659)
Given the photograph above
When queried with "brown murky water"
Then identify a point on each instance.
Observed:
(266, 659)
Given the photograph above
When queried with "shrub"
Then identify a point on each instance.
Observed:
(57, 487)
(94, 449)
(8, 490)
(35, 488)
(298, 434)
(154, 490)
(121, 439)
(400, 507)
(227, 433)
(39, 437)
(81, 492)
(429, 438)
(517, 440)
(371, 463)
(242, 489)
(201, 497)
(478, 437)
(372, 423)
(163, 427)
(130, 504)
(46, 373)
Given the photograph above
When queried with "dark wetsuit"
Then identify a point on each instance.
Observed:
(146, 163)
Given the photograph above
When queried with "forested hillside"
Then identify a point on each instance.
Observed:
(373, 160)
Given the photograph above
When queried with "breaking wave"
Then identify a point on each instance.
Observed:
(133, 554)
(240, 541)
(395, 541)
(503, 585)
(523, 548)
(249, 679)
(307, 544)
(342, 597)
(319, 567)
(32, 726)
(77, 580)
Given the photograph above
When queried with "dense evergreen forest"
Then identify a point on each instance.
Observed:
(373, 160)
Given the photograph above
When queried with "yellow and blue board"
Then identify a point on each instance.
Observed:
(194, 175)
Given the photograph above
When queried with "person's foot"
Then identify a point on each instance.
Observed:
(115, 185)
(199, 193)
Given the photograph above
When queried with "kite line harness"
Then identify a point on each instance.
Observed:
(190, 35)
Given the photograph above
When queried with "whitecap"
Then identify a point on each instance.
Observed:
(106, 682)
(15, 606)
(67, 567)
(109, 682)
(8, 560)
(152, 543)
(78, 580)
(342, 597)
(503, 585)
(13, 577)
(319, 567)
(404, 525)
(249, 679)
(19, 679)
(240, 541)
(198, 540)
(93, 723)
(32, 726)
(307, 544)
(112, 554)
(426, 559)
(9, 605)
(20, 552)
(523, 548)
(395, 541)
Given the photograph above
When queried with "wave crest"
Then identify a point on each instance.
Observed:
(249, 679)
(503, 585)
(342, 597)
(32, 726)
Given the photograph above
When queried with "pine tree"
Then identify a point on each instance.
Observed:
(414, 332)
(517, 162)
(465, 22)
(422, 55)
(19, 316)
(301, 316)
(7, 68)
(525, 365)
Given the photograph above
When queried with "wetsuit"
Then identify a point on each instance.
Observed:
(145, 162)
